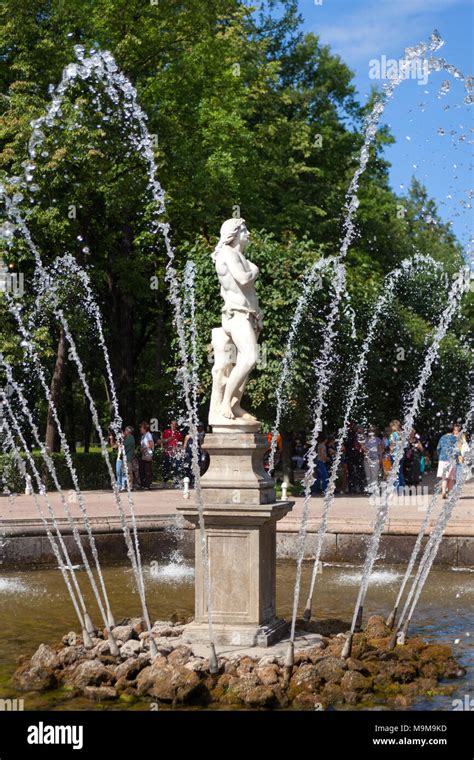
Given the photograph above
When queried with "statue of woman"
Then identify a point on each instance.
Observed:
(235, 343)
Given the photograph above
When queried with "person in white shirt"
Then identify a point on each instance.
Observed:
(373, 450)
(147, 446)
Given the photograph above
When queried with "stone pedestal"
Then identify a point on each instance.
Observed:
(240, 515)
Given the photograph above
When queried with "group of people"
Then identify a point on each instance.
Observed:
(368, 457)
(134, 463)
(133, 468)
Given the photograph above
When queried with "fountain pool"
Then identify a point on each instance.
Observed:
(442, 615)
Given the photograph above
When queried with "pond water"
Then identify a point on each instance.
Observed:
(35, 608)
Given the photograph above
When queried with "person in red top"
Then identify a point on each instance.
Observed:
(172, 444)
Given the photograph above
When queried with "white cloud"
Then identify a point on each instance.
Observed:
(382, 27)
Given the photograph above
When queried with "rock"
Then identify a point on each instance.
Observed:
(302, 656)
(404, 654)
(386, 656)
(90, 673)
(451, 669)
(122, 632)
(123, 684)
(268, 674)
(72, 654)
(44, 657)
(305, 701)
(268, 659)
(197, 664)
(280, 695)
(428, 670)
(138, 626)
(245, 684)
(358, 666)
(414, 645)
(175, 685)
(376, 628)
(444, 690)
(394, 672)
(34, 679)
(168, 683)
(226, 681)
(354, 681)
(129, 697)
(161, 687)
(331, 669)
(360, 645)
(130, 648)
(147, 676)
(383, 679)
(70, 639)
(370, 654)
(332, 693)
(436, 662)
(404, 672)
(100, 693)
(314, 652)
(371, 667)
(402, 700)
(231, 697)
(106, 659)
(161, 628)
(180, 655)
(248, 688)
(352, 697)
(424, 685)
(131, 667)
(216, 694)
(435, 653)
(163, 645)
(305, 678)
(102, 649)
(260, 696)
(230, 667)
(245, 666)
(334, 649)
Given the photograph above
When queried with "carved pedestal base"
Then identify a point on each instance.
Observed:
(237, 635)
(241, 543)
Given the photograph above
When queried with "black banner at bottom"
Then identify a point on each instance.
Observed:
(375, 733)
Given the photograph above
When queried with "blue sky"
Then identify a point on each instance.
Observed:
(432, 130)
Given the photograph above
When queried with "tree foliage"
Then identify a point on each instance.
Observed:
(250, 117)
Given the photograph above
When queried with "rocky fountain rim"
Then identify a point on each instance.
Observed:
(248, 678)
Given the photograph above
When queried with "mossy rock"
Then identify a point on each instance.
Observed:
(436, 653)
(127, 698)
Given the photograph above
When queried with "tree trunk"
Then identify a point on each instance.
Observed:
(126, 387)
(286, 452)
(160, 349)
(70, 417)
(123, 335)
(57, 384)
(87, 428)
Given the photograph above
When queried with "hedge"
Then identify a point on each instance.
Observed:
(91, 472)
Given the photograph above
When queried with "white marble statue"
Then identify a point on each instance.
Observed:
(235, 343)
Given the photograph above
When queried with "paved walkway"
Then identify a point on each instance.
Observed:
(157, 508)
